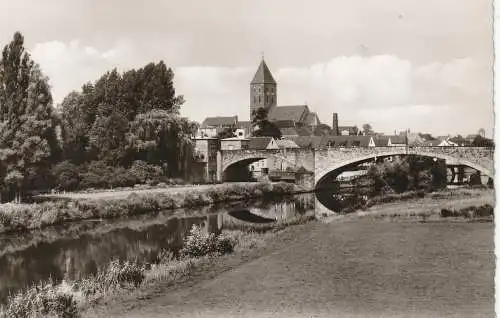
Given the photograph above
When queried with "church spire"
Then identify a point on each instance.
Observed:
(263, 74)
(262, 89)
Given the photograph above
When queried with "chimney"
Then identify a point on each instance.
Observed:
(335, 125)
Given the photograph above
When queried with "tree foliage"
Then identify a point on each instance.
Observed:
(410, 173)
(27, 124)
(228, 132)
(367, 129)
(262, 126)
(123, 117)
(480, 141)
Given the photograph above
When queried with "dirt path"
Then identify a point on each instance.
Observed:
(357, 268)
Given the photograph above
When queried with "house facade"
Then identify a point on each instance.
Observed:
(234, 143)
(205, 161)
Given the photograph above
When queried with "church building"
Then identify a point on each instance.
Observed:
(293, 121)
(263, 93)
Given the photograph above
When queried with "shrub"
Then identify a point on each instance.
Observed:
(66, 176)
(146, 173)
(121, 274)
(198, 244)
(41, 300)
(469, 212)
(225, 244)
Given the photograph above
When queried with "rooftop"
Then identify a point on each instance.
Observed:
(263, 75)
(219, 121)
(287, 113)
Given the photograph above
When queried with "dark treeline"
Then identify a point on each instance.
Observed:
(120, 130)
(408, 174)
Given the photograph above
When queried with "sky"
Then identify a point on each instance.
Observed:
(397, 64)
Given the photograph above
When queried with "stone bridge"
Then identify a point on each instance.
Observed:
(322, 162)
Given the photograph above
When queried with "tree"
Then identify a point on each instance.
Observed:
(262, 126)
(426, 136)
(27, 124)
(75, 127)
(161, 138)
(322, 130)
(96, 121)
(481, 132)
(367, 129)
(228, 132)
(480, 141)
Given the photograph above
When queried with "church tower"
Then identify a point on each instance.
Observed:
(262, 89)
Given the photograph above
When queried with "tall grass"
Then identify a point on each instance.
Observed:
(24, 217)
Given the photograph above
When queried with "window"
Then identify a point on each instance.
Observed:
(255, 99)
(259, 99)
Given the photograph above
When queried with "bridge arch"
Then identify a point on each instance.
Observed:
(324, 170)
(293, 158)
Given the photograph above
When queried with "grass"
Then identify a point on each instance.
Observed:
(25, 217)
(465, 203)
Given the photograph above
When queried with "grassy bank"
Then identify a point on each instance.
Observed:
(25, 217)
(445, 194)
(70, 298)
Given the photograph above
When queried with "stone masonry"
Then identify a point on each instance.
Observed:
(323, 161)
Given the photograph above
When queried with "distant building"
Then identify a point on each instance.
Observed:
(262, 143)
(348, 130)
(234, 143)
(211, 126)
(347, 141)
(205, 161)
(288, 132)
(286, 144)
(263, 94)
(396, 141)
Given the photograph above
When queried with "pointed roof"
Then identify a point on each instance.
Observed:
(263, 75)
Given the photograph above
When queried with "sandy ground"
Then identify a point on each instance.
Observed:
(360, 267)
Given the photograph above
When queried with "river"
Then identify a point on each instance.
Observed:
(80, 248)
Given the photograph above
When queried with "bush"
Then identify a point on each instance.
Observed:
(121, 274)
(66, 176)
(198, 244)
(469, 212)
(146, 173)
(41, 300)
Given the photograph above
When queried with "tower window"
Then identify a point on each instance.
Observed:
(255, 99)
(259, 99)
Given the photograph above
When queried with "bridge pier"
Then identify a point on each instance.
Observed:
(219, 166)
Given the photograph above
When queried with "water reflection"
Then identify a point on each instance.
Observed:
(81, 248)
